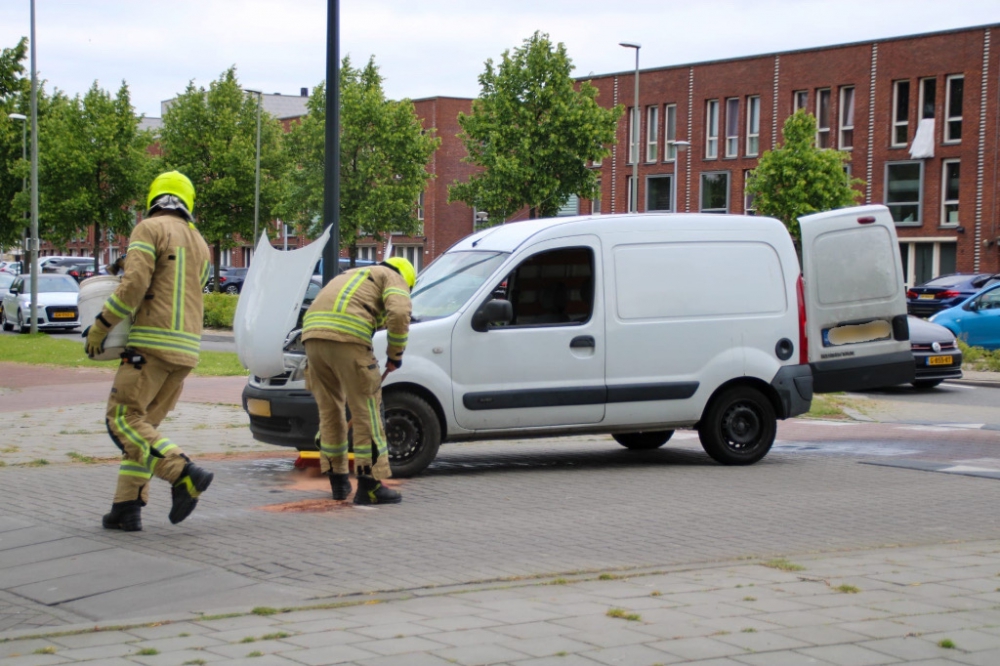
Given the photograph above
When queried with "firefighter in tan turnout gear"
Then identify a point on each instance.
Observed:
(337, 332)
(166, 268)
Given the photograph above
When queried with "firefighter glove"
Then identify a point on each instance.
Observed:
(96, 334)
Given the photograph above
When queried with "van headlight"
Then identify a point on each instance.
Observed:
(295, 366)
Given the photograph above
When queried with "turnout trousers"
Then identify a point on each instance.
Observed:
(340, 373)
(141, 396)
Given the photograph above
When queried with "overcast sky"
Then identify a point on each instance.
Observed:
(429, 47)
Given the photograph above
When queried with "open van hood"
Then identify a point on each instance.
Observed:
(270, 302)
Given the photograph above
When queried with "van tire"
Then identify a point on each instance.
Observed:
(739, 426)
(412, 431)
(643, 441)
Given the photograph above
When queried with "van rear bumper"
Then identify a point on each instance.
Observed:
(794, 386)
(864, 372)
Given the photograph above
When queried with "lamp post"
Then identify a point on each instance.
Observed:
(635, 129)
(24, 181)
(256, 188)
(681, 147)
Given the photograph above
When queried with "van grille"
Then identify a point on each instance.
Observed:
(277, 380)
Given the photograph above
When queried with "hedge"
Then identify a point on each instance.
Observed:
(220, 310)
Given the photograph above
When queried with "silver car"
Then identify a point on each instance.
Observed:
(58, 297)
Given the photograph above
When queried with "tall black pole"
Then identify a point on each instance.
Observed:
(331, 177)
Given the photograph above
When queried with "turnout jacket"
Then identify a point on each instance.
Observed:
(358, 302)
(166, 269)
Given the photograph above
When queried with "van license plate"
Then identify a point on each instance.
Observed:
(257, 407)
(926, 297)
(939, 360)
(63, 315)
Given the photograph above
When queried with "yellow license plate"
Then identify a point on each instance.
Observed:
(257, 407)
(939, 360)
(926, 297)
(63, 315)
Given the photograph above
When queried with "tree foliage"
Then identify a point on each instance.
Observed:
(93, 165)
(14, 90)
(211, 137)
(797, 178)
(383, 160)
(533, 131)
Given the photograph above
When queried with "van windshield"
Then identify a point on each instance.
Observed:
(444, 286)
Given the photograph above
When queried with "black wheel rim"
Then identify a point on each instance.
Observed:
(403, 434)
(742, 427)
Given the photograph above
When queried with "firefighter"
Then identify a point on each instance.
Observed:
(166, 268)
(337, 332)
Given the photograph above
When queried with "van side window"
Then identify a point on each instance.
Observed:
(551, 288)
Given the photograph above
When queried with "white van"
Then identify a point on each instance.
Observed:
(631, 325)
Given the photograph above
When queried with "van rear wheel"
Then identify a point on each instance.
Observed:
(739, 426)
(643, 441)
(412, 431)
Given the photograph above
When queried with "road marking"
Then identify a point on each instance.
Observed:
(961, 386)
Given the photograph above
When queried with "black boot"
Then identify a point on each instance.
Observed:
(186, 490)
(124, 516)
(371, 491)
(341, 485)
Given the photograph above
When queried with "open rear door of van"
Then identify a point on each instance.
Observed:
(855, 300)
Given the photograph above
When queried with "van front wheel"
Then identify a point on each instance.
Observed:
(739, 427)
(643, 441)
(412, 431)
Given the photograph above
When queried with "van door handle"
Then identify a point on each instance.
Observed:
(582, 341)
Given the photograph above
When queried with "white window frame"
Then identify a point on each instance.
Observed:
(367, 252)
(800, 100)
(598, 162)
(748, 207)
(900, 114)
(845, 118)
(673, 192)
(923, 91)
(628, 198)
(910, 260)
(920, 193)
(701, 190)
(948, 117)
(652, 132)
(732, 126)
(226, 258)
(670, 132)
(633, 134)
(247, 255)
(823, 131)
(753, 126)
(945, 201)
(595, 204)
(420, 206)
(712, 129)
(412, 253)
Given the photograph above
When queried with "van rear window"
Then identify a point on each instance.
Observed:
(849, 265)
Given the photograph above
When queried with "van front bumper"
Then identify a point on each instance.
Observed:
(284, 417)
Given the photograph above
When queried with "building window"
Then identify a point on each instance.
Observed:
(227, 258)
(652, 132)
(660, 193)
(903, 185)
(247, 255)
(732, 127)
(846, 117)
(670, 130)
(633, 132)
(823, 118)
(412, 253)
(628, 199)
(595, 203)
(753, 125)
(800, 100)
(598, 162)
(900, 113)
(748, 205)
(712, 129)
(420, 206)
(715, 192)
(366, 252)
(950, 174)
(928, 97)
(925, 260)
(953, 117)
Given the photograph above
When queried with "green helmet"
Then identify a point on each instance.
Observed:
(405, 268)
(175, 183)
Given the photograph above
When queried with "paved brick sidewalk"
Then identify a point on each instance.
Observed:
(928, 605)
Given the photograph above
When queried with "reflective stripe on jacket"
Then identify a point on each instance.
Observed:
(165, 271)
(359, 302)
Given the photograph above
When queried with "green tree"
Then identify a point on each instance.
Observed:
(383, 161)
(211, 137)
(533, 131)
(14, 90)
(797, 178)
(93, 166)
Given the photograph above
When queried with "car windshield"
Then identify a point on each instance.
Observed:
(52, 283)
(946, 281)
(444, 286)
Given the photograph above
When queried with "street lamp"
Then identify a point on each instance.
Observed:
(635, 129)
(24, 181)
(256, 189)
(681, 147)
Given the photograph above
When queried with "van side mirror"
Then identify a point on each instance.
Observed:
(495, 310)
(14, 290)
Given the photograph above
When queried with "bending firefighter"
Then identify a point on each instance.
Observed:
(166, 268)
(337, 333)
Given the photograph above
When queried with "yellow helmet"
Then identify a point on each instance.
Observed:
(175, 183)
(405, 269)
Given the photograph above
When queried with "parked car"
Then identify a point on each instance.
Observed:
(945, 291)
(976, 321)
(10, 267)
(6, 279)
(45, 261)
(935, 353)
(58, 297)
(230, 279)
(79, 269)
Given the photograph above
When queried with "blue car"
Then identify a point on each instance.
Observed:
(945, 291)
(976, 321)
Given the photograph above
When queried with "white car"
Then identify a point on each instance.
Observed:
(58, 297)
